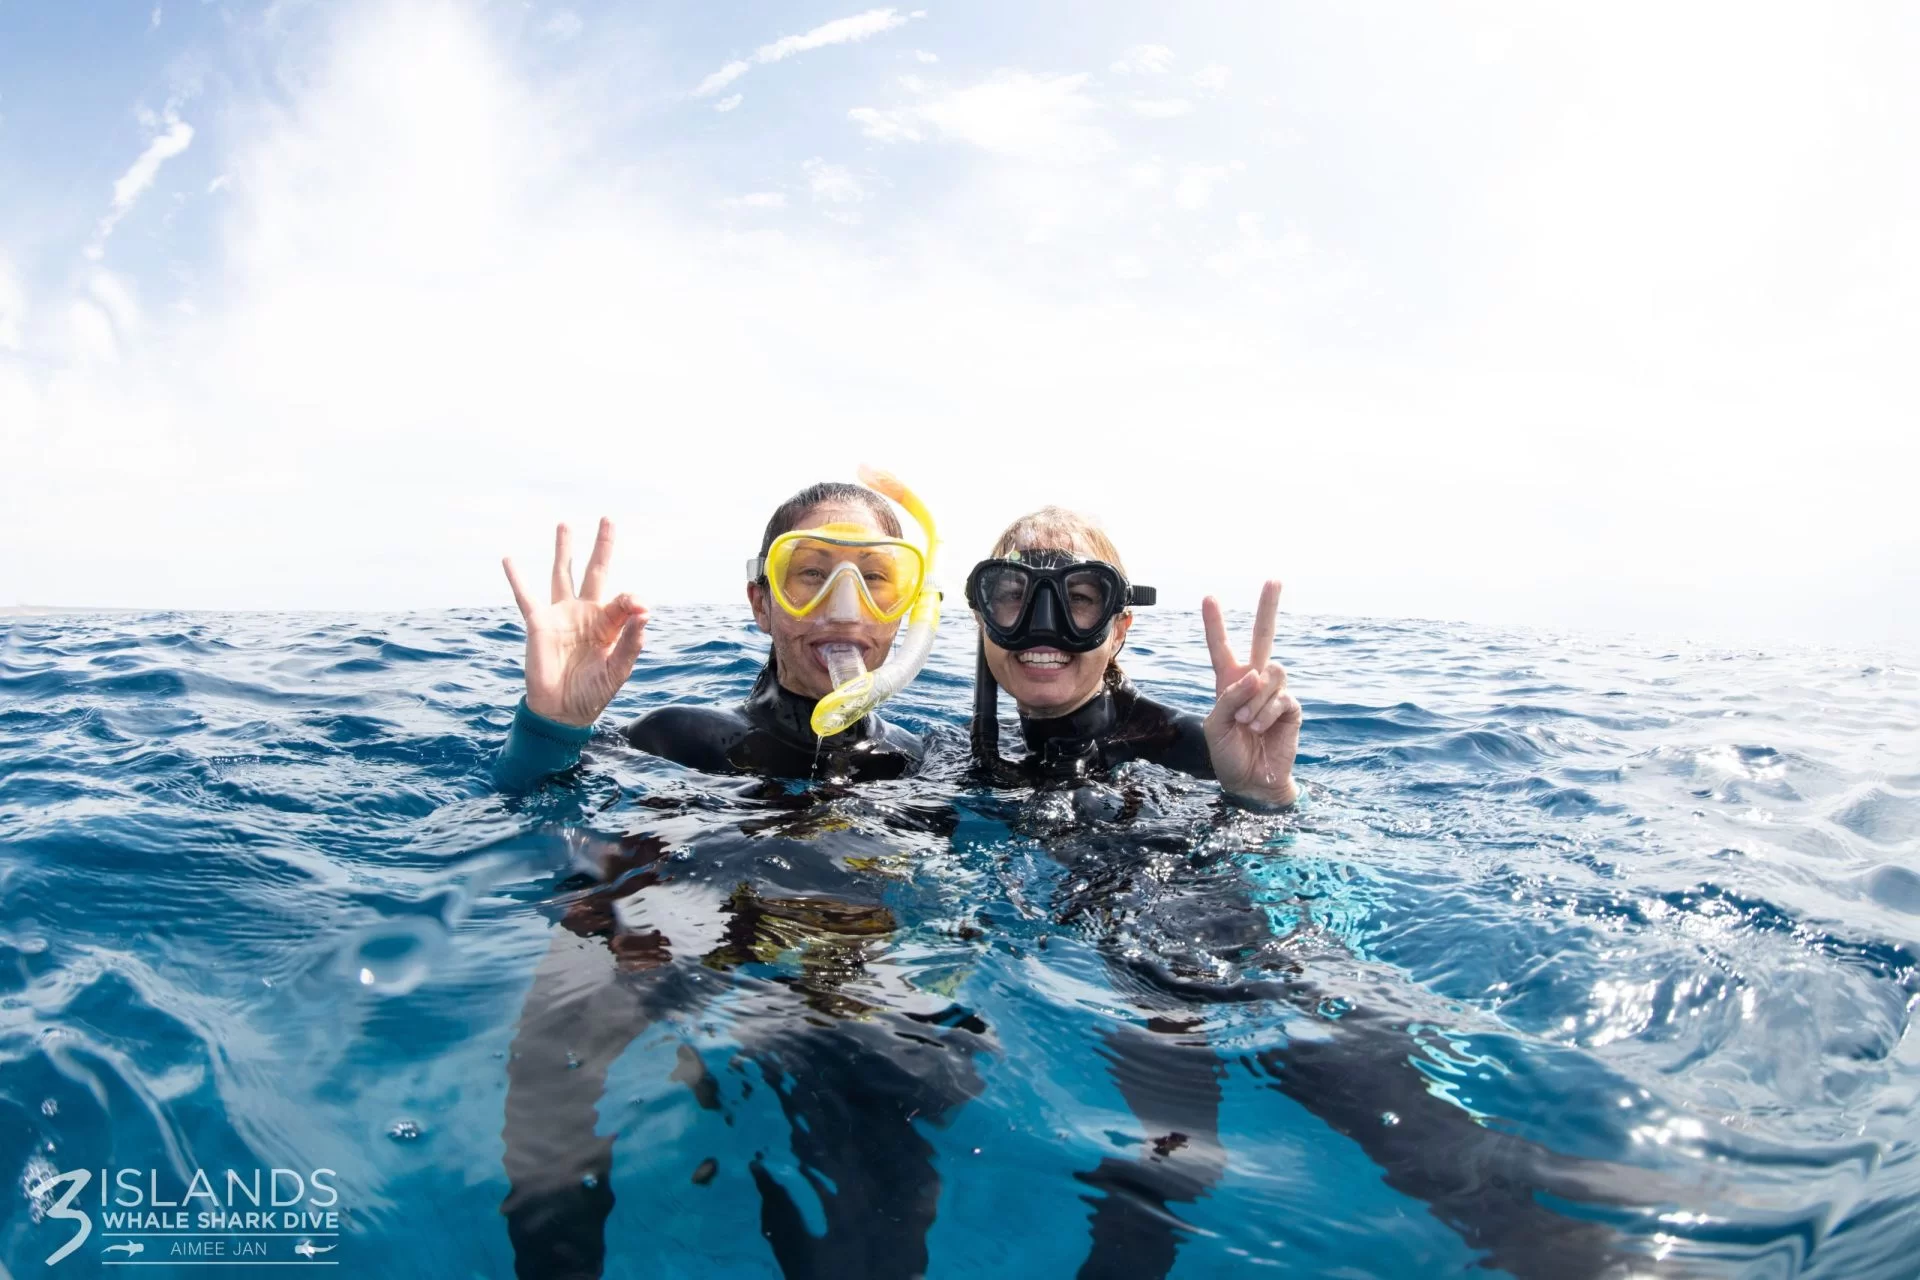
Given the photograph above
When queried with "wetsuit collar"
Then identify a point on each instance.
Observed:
(1071, 743)
(787, 716)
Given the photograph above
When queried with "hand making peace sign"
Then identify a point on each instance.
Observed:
(1253, 731)
(580, 649)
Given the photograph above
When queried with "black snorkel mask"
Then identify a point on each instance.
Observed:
(1036, 599)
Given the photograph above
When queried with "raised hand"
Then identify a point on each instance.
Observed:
(580, 649)
(1253, 731)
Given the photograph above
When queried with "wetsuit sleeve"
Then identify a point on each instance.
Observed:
(536, 748)
(1172, 739)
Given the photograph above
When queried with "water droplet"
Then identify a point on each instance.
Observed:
(406, 1131)
(1269, 779)
(573, 1060)
(590, 1182)
(395, 956)
(1389, 1118)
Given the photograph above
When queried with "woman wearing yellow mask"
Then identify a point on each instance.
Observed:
(832, 585)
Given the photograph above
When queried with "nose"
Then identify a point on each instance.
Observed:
(844, 604)
(1045, 619)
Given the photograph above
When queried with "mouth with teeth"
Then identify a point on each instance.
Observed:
(1043, 660)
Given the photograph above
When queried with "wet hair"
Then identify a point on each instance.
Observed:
(786, 517)
(1061, 529)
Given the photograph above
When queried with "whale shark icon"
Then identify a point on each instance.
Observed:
(308, 1249)
(130, 1248)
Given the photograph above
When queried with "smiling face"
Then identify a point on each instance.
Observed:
(1047, 682)
(799, 643)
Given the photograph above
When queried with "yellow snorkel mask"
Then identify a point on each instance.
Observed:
(846, 571)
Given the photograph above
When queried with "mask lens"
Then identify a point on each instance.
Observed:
(887, 573)
(1004, 593)
(1089, 599)
(808, 565)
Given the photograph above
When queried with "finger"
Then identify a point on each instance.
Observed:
(1281, 707)
(1263, 624)
(632, 637)
(562, 563)
(1239, 697)
(1223, 660)
(598, 563)
(616, 612)
(520, 596)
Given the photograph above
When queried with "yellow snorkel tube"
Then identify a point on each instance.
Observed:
(853, 699)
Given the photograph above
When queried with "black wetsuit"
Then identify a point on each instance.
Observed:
(770, 734)
(648, 938)
(1118, 725)
(1486, 1184)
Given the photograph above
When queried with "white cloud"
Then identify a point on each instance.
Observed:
(923, 56)
(833, 183)
(884, 126)
(1253, 248)
(840, 31)
(722, 78)
(758, 200)
(153, 19)
(1194, 190)
(220, 183)
(135, 181)
(1144, 59)
(1665, 294)
(1492, 46)
(564, 24)
(1045, 118)
(13, 306)
(728, 103)
(1212, 78)
(1160, 108)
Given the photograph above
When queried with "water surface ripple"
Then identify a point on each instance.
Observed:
(1654, 911)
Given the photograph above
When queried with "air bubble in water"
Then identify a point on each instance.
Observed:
(406, 1130)
(395, 956)
(51, 1107)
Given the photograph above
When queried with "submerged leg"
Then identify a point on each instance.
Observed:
(1171, 1080)
(854, 1094)
(578, 1019)
(1486, 1184)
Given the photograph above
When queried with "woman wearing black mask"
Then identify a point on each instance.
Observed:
(1054, 607)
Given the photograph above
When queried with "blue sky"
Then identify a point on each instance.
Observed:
(1555, 314)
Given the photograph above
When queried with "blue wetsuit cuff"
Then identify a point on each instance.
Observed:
(537, 747)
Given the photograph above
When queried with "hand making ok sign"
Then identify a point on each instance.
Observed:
(1253, 731)
(580, 647)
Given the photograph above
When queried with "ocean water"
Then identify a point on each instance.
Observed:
(1582, 954)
